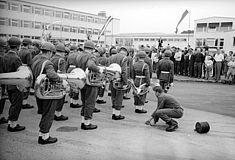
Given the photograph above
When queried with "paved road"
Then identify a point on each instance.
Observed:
(211, 97)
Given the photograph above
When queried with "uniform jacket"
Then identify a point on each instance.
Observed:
(140, 68)
(166, 101)
(86, 60)
(25, 55)
(11, 63)
(166, 65)
(71, 60)
(103, 61)
(150, 64)
(59, 63)
(129, 66)
(122, 61)
(48, 69)
(2, 53)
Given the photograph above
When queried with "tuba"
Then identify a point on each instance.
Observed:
(139, 91)
(22, 78)
(46, 89)
(99, 79)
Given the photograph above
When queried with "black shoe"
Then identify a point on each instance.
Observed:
(125, 97)
(65, 101)
(3, 120)
(120, 117)
(27, 106)
(123, 106)
(88, 127)
(172, 128)
(140, 111)
(75, 105)
(16, 128)
(46, 141)
(100, 101)
(109, 94)
(96, 110)
(146, 101)
(60, 118)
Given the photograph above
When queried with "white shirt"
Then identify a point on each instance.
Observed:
(219, 57)
(178, 56)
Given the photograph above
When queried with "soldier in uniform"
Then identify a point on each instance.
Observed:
(3, 45)
(59, 64)
(71, 64)
(140, 76)
(11, 63)
(37, 45)
(88, 93)
(117, 95)
(148, 60)
(25, 55)
(47, 106)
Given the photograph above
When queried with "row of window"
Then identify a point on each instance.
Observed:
(210, 27)
(38, 38)
(49, 12)
(163, 39)
(211, 42)
(47, 26)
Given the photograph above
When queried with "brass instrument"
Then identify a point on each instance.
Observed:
(22, 78)
(99, 79)
(46, 89)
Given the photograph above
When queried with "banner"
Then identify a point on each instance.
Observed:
(182, 17)
(105, 25)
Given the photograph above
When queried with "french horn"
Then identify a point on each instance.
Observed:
(22, 78)
(46, 89)
(99, 79)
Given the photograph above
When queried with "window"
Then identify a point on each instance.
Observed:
(27, 24)
(3, 4)
(66, 28)
(82, 30)
(89, 31)
(3, 21)
(48, 12)
(58, 14)
(135, 39)
(221, 43)
(90, 19)
(74, 29)
(201, 27)
(66, 15)
(226, 26)
(141, 39)
(57, 27)
(96, 20)
(152, 39)
(146, 39)
(38, 10)
(26, 9)
(75, 17)
(95, 32)
(15, 7)
(82, 18)
(15, 23)
(38, 25)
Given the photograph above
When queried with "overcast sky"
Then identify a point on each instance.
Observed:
(144, 16)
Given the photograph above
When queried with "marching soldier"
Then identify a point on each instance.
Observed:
(88, 93)
(59, 66)
(47, 106)
(140, 76)
(71, 64)
(25, 55)
(11, 63)
(3, 45)
(117, 95)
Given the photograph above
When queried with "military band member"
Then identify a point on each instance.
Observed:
(11, 63)
(59, 64)
(37, 45)
(25, 55)
(3, 45)
(88, 93)
(140, 76)
(47, 106)
(117, 95)
(71, 64)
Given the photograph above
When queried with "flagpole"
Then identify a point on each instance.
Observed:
(189, 25)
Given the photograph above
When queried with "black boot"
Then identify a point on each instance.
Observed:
(27, 106)
(140, 111)
(17, 128)
(88, 127)
(120, 117)
(46, 141)
(75, 105)
(96, 110)
(60, 118)
(173, 125)
(100, 101)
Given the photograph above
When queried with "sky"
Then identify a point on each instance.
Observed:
(150, 16)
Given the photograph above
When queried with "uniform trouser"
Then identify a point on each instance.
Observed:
(39, 104)
(2, 101)
(48, 107)
(116, 97)
(167, 114)
(88, 96)
(218, 66)
(74, 95)
(26, 94)
(198, 69)
(139, 100)
(60, 104)
(16, 99)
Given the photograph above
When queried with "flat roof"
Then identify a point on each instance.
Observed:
(149, 35)
(215, 17)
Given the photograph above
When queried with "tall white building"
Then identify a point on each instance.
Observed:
(31, 20)
(215, 32)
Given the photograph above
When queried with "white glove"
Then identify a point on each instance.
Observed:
(172, 84)
(101, 70)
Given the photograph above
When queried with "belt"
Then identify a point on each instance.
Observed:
(140, 76)
(72, 66)
(164, 72)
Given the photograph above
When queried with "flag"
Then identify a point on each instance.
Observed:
(182, 17)
(105, 25)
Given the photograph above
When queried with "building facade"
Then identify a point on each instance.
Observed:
(137, 39)
(215, 32)
(31, 20)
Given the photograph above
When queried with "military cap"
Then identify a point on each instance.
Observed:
(167, 53)
(123, 48)
(27, 41)
(3, 43)
(141, 54)
(89, 44)
(60, 47)
(47, 46)
(147, 50)
(113, 51)
(101, 50)
(14, 42)
(37, 43)
(73, 47)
